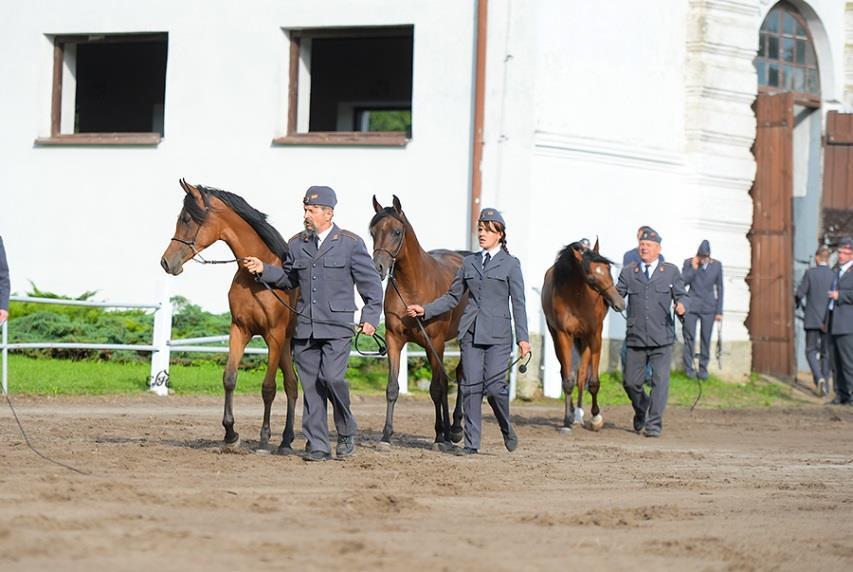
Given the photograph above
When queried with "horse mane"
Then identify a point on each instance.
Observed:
(566, 264)
(255, 218)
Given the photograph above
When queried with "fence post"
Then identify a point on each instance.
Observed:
(403, 374)
(162, 334)
(5, 357)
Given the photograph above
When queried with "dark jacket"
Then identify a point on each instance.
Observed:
(650, 321)
(325, 280)
(704, 287)
(489, 297)
(842, 314)
(4, 278)
(812, 295)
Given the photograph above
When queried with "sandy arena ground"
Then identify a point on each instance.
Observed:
(721, 490)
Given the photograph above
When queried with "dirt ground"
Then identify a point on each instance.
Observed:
(721, 490)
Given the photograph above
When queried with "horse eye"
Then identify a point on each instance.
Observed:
(397, 232)
(598, 270)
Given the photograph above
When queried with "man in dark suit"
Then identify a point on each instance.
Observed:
(633, 257)
(812, 295)
(841, 327)
(4, 284)
(652, 287)
(703, 276)
(325, 263)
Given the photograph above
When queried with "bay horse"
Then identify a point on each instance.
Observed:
(417, 277)
(209, 215)
(576, 294)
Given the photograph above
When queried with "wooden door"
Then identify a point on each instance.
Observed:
(771, 307)
(837, 219)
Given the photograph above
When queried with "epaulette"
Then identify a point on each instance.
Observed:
(302, 235)
(349, 234)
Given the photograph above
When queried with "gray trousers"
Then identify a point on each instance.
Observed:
(706, 322)
(649, 405)
(817, 354)
(321, 365)
(842, 356)
(483, 363)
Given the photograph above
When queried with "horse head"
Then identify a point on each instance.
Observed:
(193, 231)
(388, 229)
(596, 273)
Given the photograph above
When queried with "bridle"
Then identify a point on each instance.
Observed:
(197, 257)
(394, 254)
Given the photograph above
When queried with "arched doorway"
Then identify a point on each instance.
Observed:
(787, 188)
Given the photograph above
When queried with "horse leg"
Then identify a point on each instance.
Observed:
(597, 421)
(291, 390)
(563, 343)
(583, 376)
(237, 345)
(438, 392)
(456, 429)
(268, 386)
(392, 390)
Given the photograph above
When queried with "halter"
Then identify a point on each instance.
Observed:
(396, 253)
(197, 257)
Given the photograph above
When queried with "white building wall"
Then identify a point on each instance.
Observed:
(80, 218)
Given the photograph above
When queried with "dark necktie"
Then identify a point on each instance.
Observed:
(647, 270)
(834, 287)
(316, 242)
(486, 260)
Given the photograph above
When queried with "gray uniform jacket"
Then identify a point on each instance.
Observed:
(326, 280)
(650, 322)
(842, 315)
(812, 292)
(4, 278)
(489, 295)
(705, 287)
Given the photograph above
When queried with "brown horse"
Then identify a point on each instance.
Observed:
(417, 277)
(578, 289)
(210, 215)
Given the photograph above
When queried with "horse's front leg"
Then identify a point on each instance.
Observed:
(237, 345)
(438, 393)
(563, 343)
(268, 389)
(456, 433)
(392, 389)
(583, 376)
(291, 389)
(597, 421)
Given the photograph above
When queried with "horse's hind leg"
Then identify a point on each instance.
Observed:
(456, 433)
(563, 347)
(597, 421)
(268, 388)
(583, 377)
(237, 345)
(291, 389)
(438, 392)
(392, 389)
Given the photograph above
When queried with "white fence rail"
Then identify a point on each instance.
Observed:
(162, 346)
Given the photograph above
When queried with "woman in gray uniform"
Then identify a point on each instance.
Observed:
(492, 278)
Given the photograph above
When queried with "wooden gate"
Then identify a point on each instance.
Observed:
(770, 279)
(838, 177)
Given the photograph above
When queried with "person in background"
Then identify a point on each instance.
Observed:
(4, 284)
(812, 295)
(841, 322)
(703, 277)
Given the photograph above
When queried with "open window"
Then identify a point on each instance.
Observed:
(350, 86)
(108, 89)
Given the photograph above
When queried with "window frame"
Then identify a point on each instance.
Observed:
(106, 138)
(355, 138)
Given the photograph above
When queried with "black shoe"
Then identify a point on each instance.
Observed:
(511, 441)
(837, 401)
(466, 451)
(690, 374)
(653, 434)
(345, 447)
(703, 375)
(639, 422)
(318, 456)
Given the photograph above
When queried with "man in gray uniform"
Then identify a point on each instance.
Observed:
(812, 295)
(703, 277)
(841, 306)
(325, 262)
(652, 287)
(4, 284)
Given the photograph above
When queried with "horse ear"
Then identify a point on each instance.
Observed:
(577, 250)
(595, 248)
(183, 184)
(397, 206)
(191, 190)
(376, 206)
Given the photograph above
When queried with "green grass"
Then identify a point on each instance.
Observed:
(45, 376)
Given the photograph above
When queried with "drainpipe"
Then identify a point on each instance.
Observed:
(479, 120)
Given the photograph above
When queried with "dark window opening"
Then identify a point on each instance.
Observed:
(361, 84)
(121, 87)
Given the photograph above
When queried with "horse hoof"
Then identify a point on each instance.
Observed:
(565, 430)
(442, 446)
(383, 446)
(579, 416)
(285, 451)
(596, 423)
(262, 451)
(226, 446)
(456, 436)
